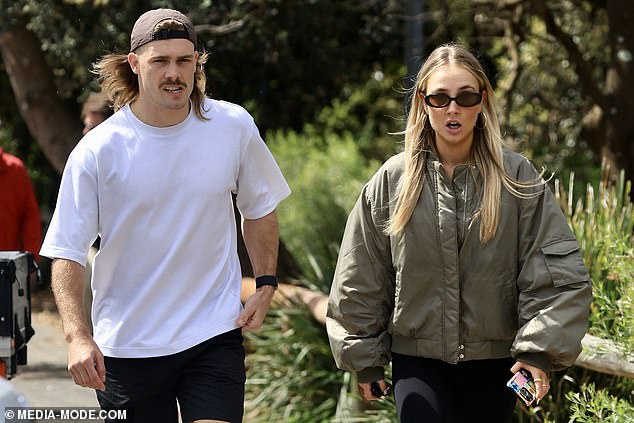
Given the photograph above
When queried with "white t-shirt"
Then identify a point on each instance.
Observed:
(167, 275)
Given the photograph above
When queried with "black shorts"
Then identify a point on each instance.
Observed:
(207, 380)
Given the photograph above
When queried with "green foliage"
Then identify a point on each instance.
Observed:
(326, 168)
(292, 376)
(591, 405)
(289, 58)
(369, 112)
(604, 226)
(543, 102)
(74, 34)
(326, 175)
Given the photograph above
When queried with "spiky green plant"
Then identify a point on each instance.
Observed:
(604, 226)
(292, 376)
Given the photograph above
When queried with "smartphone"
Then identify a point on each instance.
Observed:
(375, 388)
(522, 384)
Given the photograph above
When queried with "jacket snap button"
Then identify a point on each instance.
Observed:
(461, 347)
(461, 356)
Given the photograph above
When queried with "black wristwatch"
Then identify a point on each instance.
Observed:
(270, 280)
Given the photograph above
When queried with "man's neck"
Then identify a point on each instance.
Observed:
(159, 117)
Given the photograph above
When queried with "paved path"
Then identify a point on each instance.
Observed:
(44, 381)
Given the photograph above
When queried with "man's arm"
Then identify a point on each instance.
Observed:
(262, 241)
(85, 360)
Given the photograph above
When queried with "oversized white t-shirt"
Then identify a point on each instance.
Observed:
(167, 275)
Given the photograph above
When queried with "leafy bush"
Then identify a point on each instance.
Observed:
(292, 375)
(604, 226)
(590, 406)
(368, 112)
(326, 175)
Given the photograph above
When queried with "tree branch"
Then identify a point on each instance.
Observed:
(584, 70)
(604, 356)
(223, 29)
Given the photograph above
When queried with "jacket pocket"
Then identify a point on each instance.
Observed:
(564, 263)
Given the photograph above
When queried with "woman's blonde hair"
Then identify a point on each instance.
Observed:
(121, 85)
(486, 148)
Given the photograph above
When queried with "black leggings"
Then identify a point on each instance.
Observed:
(437, 392)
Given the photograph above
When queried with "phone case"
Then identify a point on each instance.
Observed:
(522, 384)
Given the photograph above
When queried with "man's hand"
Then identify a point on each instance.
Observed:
(85, 360)
(542, 382)
(86, 363)
(255, 308)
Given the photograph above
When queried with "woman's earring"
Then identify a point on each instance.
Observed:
(484, 121)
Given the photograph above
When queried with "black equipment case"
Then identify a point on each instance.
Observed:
(16, 272)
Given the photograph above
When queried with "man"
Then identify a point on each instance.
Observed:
(95, 110)
(155, 182)
(20, 225)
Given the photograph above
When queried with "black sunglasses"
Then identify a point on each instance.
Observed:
(464, 99)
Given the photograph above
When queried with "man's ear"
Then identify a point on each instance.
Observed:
(133, 60)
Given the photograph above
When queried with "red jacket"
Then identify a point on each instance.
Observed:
(20, 224)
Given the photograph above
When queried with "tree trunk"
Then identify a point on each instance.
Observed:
(50, 123)
(618, 149)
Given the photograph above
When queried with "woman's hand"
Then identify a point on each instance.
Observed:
(365, 390)
(540, 377)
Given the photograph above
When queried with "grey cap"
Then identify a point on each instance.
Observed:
(143, 31)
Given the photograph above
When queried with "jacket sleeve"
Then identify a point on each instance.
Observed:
(362, 294)
(555, 291)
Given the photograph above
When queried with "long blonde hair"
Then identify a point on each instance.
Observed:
(486, 148)
(121, 85)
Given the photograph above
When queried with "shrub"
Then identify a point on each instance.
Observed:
(326, 175)
(603, 224)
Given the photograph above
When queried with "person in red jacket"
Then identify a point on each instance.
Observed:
(20, 226)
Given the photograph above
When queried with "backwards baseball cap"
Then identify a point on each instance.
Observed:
(144, 29)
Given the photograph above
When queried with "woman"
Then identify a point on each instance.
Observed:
(456, 263)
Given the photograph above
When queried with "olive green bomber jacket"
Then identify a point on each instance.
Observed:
(436, 291)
